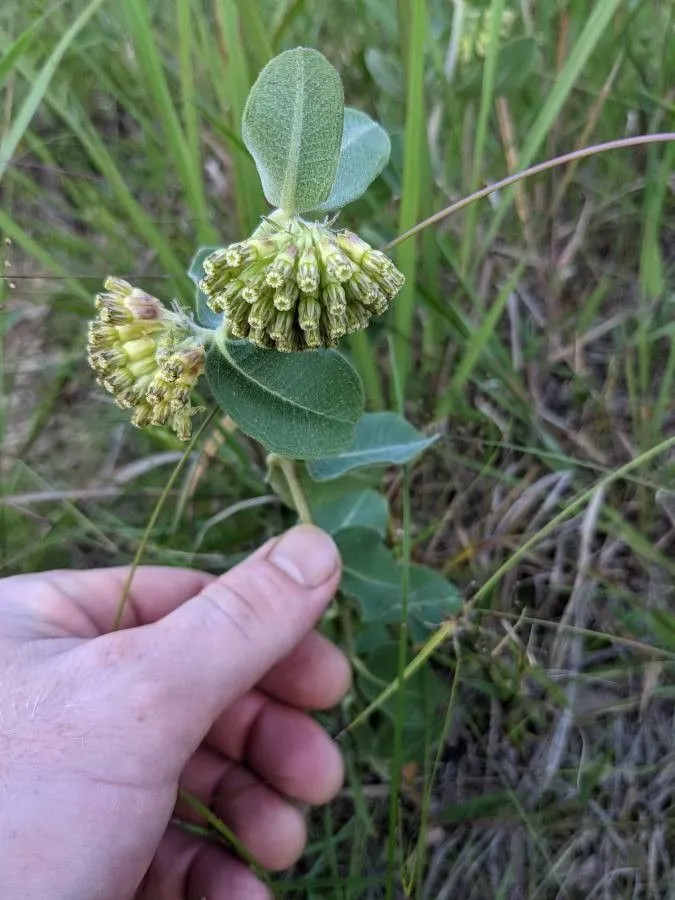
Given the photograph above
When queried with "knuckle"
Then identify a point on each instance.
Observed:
(248, 597)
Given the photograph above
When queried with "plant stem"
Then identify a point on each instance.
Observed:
(287, 466)
(126, 590)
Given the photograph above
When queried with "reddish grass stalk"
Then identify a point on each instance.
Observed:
(593, 150)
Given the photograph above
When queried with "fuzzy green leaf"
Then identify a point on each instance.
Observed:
(205, 315)
(300, 405)
(365, 509)
(381, 438)
(364, 153)
(372, 576)
(292, 127)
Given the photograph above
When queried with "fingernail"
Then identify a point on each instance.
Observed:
(307, 555)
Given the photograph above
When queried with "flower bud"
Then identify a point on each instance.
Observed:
(282, 268)
(353, 246)
(336, 263)
(261, 312)
(286, 296)
(309, 312)
(281, 329)
(363, 288)
(308, 271)
(144, 306)
(142, 416)
(336, 300)
(357, 318)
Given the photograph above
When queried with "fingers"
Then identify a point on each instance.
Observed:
(84, 604)
(294, 754)
(286, 748)
(216, 646)
(186, 868)
(271, 829)
(217, 876)
(314, 675)
(287, 755)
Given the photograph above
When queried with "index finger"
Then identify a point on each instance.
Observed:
(94, 595)
(85, 603)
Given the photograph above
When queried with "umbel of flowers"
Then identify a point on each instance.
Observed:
(296, 285)
(146, 356)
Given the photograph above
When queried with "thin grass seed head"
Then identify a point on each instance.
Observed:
(146, 356)
(296, 285)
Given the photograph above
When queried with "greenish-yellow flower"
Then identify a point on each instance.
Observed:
(296, 285)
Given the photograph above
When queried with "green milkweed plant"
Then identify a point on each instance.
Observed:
(294, 285)
(269, 312)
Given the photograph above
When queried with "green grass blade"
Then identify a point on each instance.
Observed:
(447, 630)
(12, 230)
(19, 47)
(187, 80)
(399, 721)
(189, 167)
(596, 26)
(37, 92)
(478, 340)
(257, 39)
(366, 362)
(76, 119)
(486, 99)
(236, 76)
(415, 136)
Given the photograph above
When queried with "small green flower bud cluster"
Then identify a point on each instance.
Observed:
(297, 285)
(145, 356)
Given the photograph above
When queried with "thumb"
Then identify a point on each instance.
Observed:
(219, 644)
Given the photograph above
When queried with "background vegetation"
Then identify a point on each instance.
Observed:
(537, 753)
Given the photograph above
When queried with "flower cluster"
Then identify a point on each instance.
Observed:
(296, 285)
(146, 356)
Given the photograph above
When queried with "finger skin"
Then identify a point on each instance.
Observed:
(219, 644)
(186, 868)
(315, 675)
(285, 747)
(89, 599)
(101, 729)
(217, 876)
(84, 604)
(294, 754)
(271, 828)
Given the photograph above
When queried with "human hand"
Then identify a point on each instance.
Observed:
(203, 688)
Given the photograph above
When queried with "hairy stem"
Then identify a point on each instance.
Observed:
(287, 466)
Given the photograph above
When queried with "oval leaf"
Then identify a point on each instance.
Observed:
(372, 576)
(205, 315)
(381, 439)
(364, 153)
(292, 127)
(296, 404)
(365, 509)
